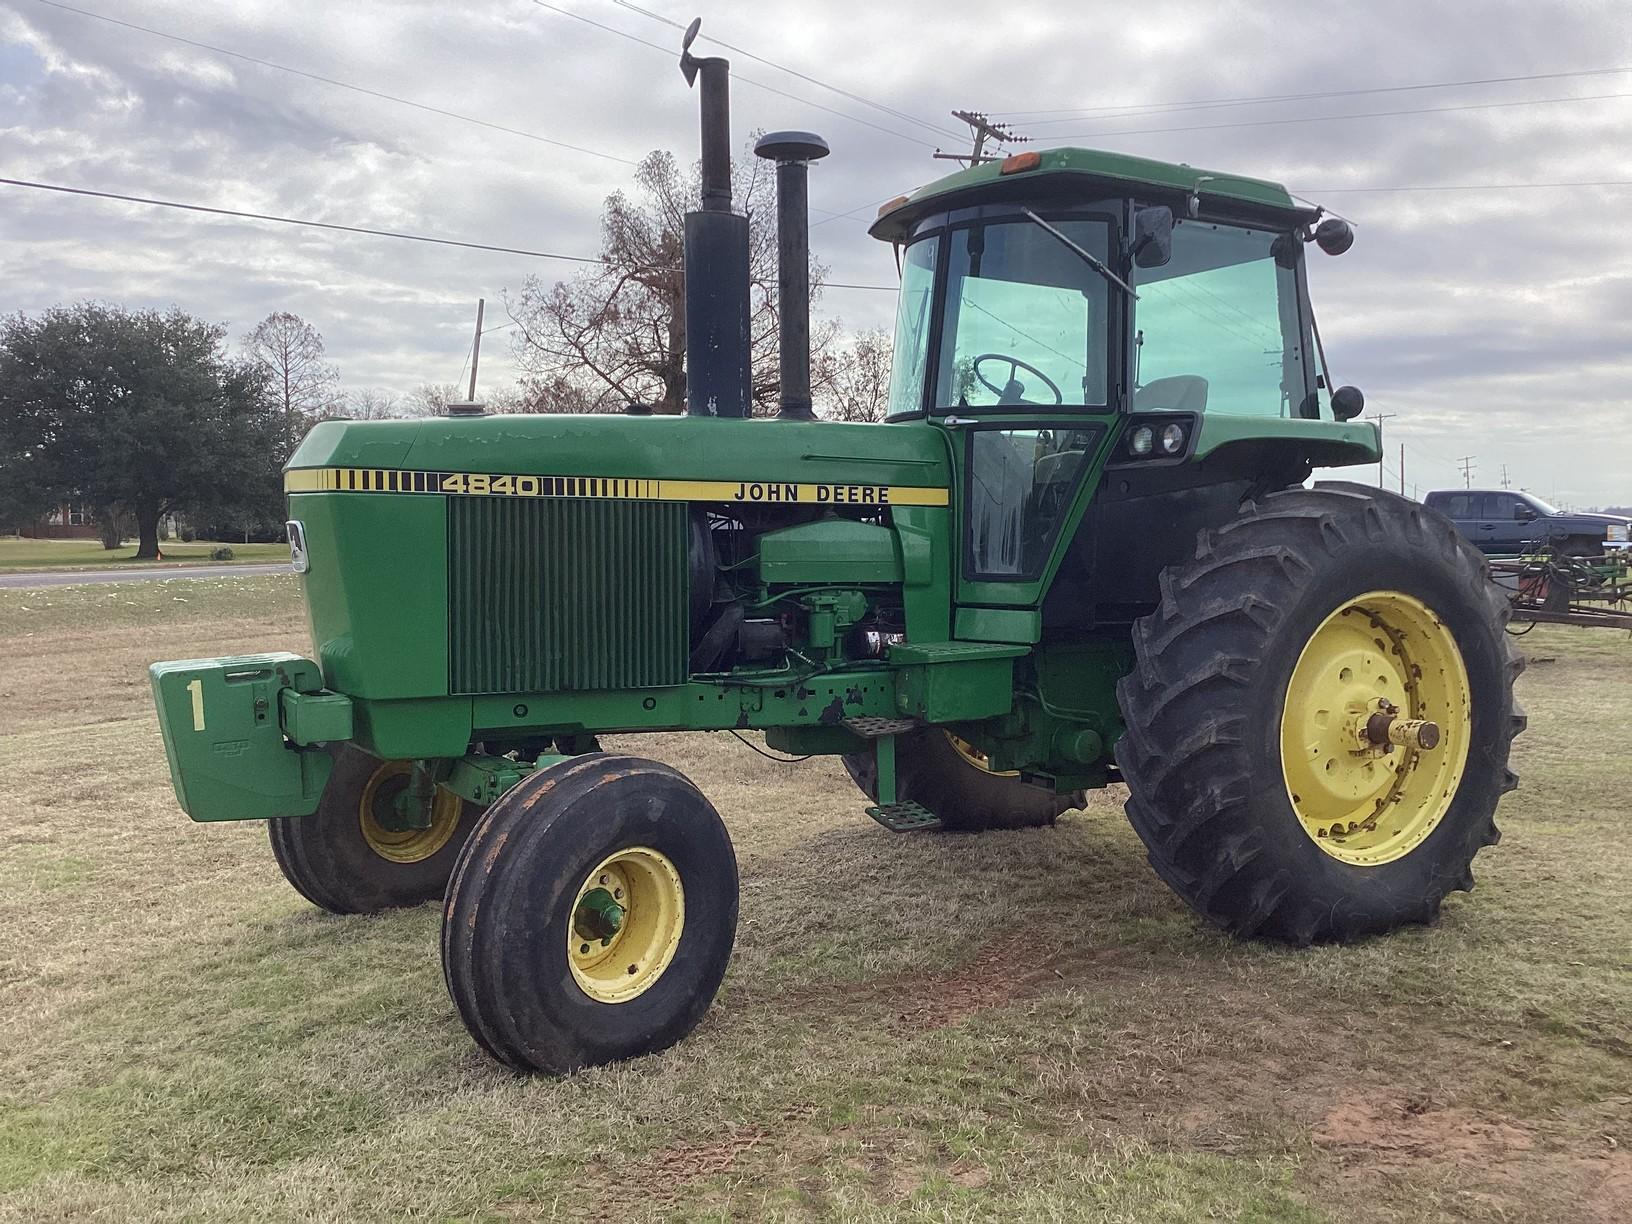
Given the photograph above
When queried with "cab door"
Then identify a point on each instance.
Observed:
(1023, 379)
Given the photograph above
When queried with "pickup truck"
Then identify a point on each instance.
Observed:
(1503, 521)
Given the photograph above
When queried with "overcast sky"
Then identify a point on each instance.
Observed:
(1496, 322)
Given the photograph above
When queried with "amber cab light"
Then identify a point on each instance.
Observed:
(892, 205)
(1014, 163)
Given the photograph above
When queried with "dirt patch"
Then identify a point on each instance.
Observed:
(1521, 1164)
(1391, 1131)
(663, 1177)
(1003, 972)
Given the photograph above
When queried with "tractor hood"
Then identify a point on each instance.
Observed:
(691, 458)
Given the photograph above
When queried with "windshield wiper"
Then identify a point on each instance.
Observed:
(1087, 257)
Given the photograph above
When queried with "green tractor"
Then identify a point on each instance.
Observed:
(1079, 552)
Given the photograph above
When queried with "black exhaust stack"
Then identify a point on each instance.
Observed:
(793, 152)
(718, 368)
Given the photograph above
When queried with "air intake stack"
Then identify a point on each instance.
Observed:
(718, 368)
(793, 152)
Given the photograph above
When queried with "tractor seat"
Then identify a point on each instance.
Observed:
(1178, 393)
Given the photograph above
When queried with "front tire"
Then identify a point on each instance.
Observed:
(942, 773)
(346, 858)
(591, 916)
(1252, 784)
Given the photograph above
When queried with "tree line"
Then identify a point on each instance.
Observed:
(143, 413)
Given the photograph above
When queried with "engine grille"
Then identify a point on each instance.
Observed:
(561, 594)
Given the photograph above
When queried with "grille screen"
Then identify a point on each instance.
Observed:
(560, 594)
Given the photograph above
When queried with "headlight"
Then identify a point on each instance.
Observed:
(1617, 533)
(1172, 439)
(1141, 440)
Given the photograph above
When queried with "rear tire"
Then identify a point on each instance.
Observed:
(1205, 756)
(929, 770)
(331, 860)
(537, 991)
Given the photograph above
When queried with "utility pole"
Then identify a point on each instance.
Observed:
(1467, 470)
(1402, 469)
(476, 348)
(1506, 484)
(984, 129)
(1380, 417)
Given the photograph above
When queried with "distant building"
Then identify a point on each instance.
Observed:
(67, 521)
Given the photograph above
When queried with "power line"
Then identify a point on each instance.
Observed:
(361, 89)
(1109, 111)
(347, 229)
(794, 72)
(1469, 187)
(736, 76)
(850, 212)
(1422, 110)
(327, 225)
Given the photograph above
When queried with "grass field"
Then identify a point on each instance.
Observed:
(1021, 1025)
(20, 554)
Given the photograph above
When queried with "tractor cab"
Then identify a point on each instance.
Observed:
(1073, 311)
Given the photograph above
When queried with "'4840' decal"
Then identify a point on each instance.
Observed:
(485, 484)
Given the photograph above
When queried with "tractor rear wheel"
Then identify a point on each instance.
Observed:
(591, 915)
(353, 855)
(1320, 717)
(950, 777)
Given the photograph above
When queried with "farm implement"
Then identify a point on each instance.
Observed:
(1564, 589)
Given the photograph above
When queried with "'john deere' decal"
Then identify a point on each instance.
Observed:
(487, 484)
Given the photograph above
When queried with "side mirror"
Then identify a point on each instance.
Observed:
(1334, 235)
(1152, 237)
(1523, 513)
(1348, 403)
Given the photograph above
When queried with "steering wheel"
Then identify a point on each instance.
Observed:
(1015, 366)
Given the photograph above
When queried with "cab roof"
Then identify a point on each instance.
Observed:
(1074, 174)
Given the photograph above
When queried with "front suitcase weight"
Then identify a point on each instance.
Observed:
(224, 739)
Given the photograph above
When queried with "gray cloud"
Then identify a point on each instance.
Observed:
(1495, 323)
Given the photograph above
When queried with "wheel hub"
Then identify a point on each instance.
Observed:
(599, 917)
(1375, 728)
(626, 924)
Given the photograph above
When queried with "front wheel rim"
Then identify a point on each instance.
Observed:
(625, 924)
(375, 815)
(1367, 807)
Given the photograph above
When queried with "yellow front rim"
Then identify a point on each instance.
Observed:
(376, 806)
(625, 924)
(1369, 805)
(977, 758)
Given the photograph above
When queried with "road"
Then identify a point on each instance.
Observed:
(49, 578)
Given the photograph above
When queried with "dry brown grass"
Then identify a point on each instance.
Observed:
(1021, 1024)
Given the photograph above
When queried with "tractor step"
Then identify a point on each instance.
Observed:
(878, 728)
(905, 817)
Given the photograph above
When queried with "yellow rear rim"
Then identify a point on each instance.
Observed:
(977, 758)
(376, 812)
(626, 924)
(1363, 803)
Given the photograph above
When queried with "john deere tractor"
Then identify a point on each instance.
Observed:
(1080, 551)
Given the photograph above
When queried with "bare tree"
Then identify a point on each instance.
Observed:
(616, 333)
(372, 404)
(432, 399)
(289, 352)
(856, 378)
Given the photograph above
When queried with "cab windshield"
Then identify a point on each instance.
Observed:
(1025, 322)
